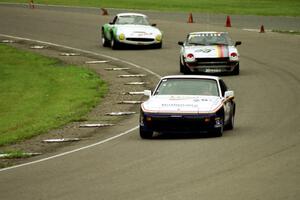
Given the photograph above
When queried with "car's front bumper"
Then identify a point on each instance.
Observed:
(139, 41)
(212, 66)
(180, 122)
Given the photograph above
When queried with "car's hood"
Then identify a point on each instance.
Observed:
(182, 104)
(138, 30)
(213, 51)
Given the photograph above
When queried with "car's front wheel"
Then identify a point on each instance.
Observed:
(230, 124)
(236, 70)
(158, 45)
(104, 41)
(218, 132)
(114, 43)
(183, 68)
(145, 134)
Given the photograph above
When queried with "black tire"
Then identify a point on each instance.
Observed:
(105, 42)
(183, 69)
(146, 134)
(218, 132)
(158, 46)
(230, 124)
(236, 70)
(113, 43)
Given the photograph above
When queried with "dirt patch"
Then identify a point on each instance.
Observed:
(118, 91)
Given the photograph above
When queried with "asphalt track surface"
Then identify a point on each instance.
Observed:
(259, 159)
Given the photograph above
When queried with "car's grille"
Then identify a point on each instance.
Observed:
(181, 124)
(212, 61)
(140, 39)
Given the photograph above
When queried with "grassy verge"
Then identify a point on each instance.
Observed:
(39, 94)
(248, 7)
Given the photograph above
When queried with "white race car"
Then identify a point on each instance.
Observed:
(130, 29)
(188, 103)
(209, 52)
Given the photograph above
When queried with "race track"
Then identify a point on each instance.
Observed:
(259, 159)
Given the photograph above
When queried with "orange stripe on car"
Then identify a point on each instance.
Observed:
(220, 51)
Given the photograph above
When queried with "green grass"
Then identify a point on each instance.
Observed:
(39, 94)
(244, 7)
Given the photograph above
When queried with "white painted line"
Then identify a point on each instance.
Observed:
(120, 113)
(38, 47)
(131, 75)
(7, 155)
(130, 102)
(4, 155)
(134, 93)
(96, 62)
(61, 140)
(73, 151)
(94, 125)
(8, 41)
(250, 29)
(97, 143)
(135, 83)
(117, 69)
(255, 30)
(69, 54)
(292, 31)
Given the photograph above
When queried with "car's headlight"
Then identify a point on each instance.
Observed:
(234, 56)
(190, 57)
(122, 36)
(158, 38)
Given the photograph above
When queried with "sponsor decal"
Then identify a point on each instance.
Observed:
(181, 98)
(207, 34)
(139, 33)
(178, 105)
(204, 50)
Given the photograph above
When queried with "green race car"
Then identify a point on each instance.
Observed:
(130, 29)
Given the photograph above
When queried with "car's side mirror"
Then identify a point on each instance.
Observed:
(229, 94)
(153, 24)
(180, 43)
(147, 93)
(238, 43)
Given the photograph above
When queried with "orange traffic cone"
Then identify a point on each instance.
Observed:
(262, 29)
(31, 4)
(104, 11)
(190, 20)
(228, 22)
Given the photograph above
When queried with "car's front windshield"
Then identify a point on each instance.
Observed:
(132, 19)
(188, 86)
(208, 39)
